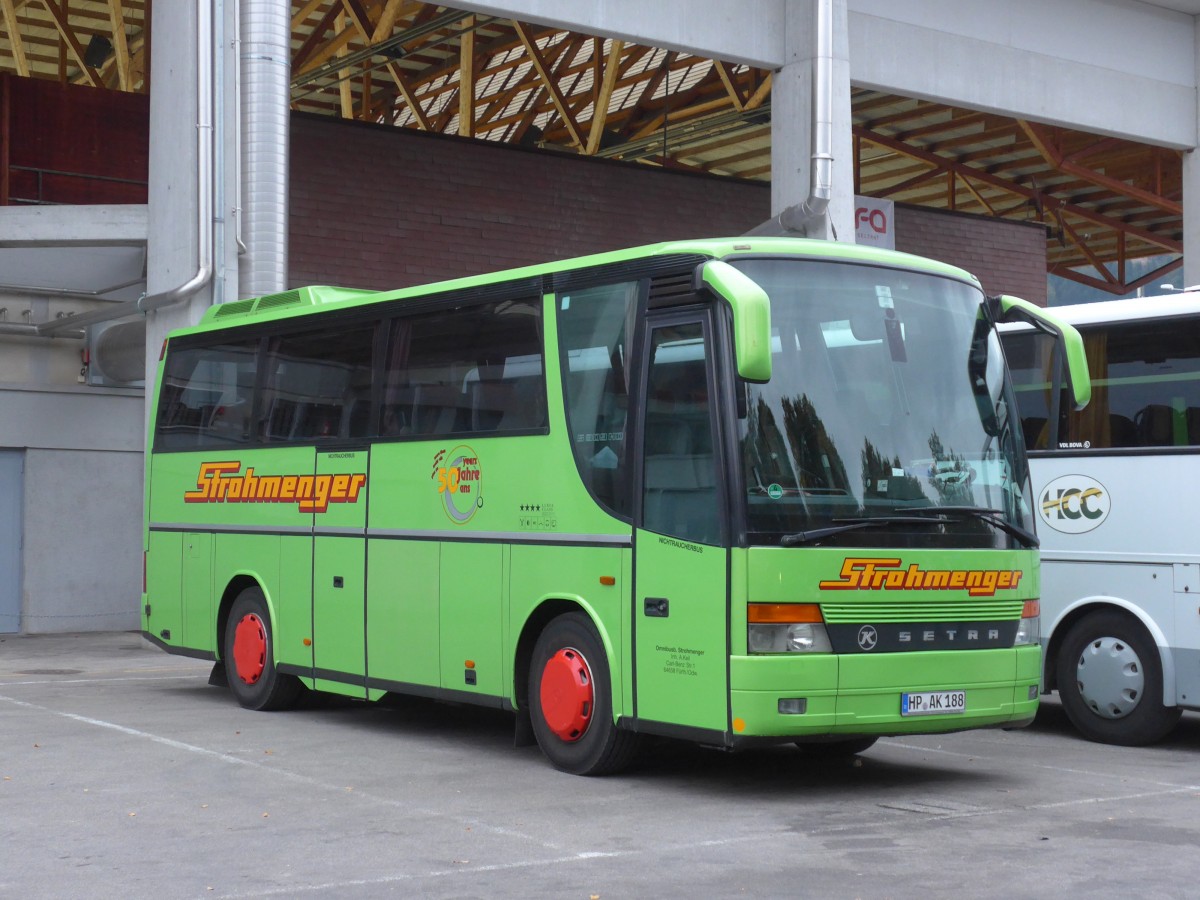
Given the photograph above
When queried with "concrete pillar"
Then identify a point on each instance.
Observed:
(173, 254)
(1191, 218)
(1191, 192)
(171, 247)
(792, 119)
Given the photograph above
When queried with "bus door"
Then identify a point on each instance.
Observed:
(681, 554)
(339, 572)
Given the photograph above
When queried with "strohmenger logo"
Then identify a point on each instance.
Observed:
(890, 575)
(224, 482)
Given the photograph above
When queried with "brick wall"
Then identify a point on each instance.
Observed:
(1007, 257)
(376, 207)
(71, 144)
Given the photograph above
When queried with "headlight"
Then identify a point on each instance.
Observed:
(807, 637)
(786, 628)
(1029, 631)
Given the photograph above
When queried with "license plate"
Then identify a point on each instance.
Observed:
(933, 703)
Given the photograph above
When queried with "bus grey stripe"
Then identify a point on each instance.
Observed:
(1117, 556)
(539, 537)
(542, 537)
(200, 527)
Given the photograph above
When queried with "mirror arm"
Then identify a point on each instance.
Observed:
(751, 316)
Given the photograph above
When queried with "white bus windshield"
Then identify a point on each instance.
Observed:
(886, 421)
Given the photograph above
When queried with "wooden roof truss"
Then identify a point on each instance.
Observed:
(409, 64)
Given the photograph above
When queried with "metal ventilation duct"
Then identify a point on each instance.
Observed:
(265, 69)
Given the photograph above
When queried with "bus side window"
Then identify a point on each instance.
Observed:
(1145, 386)
(478, 370)
(1029, 357)
(315, 383)
(205, 397)
(679, 476)
(593, 337)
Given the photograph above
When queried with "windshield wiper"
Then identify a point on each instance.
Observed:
(993, 517)
(921, 515)
(819, 534)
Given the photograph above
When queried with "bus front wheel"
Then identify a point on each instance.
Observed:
(250, 659)
(570, 700)
(1110, 681)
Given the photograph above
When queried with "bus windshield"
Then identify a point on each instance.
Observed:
(886, 422)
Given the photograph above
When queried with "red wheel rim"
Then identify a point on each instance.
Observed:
(250, 648)
(566, 694)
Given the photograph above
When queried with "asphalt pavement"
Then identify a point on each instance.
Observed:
(124, 774)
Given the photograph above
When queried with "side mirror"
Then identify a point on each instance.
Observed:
(1013, 309)
(751, 316)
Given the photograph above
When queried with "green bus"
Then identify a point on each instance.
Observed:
(737, 491)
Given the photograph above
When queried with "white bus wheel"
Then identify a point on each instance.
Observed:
(1110, 681)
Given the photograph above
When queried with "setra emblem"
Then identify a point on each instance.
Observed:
(868, 637)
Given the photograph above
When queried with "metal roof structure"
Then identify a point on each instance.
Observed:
(1103, 201)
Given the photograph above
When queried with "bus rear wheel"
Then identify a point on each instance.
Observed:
(570, 700)
(250, 658)
(1110, 681)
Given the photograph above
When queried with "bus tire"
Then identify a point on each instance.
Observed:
(570, 700)
(1110, 681)
(836, 749)
(250, 658)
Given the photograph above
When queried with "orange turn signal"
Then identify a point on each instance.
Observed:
(784, 612)
(1032, 608)
(607, 580)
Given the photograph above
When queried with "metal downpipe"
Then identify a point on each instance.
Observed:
(821, 178)
(796, 219)
(21, 329)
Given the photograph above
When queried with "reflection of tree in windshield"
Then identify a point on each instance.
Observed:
(764, 450)
(950, 474)
(882, 477)
(817, 459)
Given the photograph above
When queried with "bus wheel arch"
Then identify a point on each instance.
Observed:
(1108, 670)
(568, 694)
(546, 612)
(1094, 606)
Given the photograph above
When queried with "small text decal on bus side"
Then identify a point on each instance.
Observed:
(459, 479)
(860, 574)
(224, 482)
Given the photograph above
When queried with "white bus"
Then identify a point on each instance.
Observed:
(1117, 489)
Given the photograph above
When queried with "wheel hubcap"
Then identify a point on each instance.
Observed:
(567, 697)
(250, 648)
(1110, 678)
